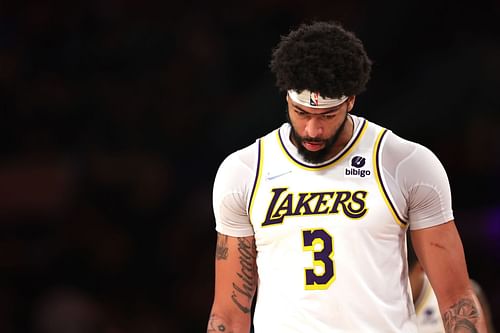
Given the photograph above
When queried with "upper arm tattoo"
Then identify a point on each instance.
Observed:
(221, 249)
(245, 282)
(244, 287)
(461, 317)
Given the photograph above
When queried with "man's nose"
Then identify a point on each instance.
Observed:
(314, 127)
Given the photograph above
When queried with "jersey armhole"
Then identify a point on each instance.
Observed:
(258, 176)
(377, 165)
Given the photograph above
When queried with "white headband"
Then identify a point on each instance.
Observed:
(314, 99)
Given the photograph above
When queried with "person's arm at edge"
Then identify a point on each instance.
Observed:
(485, 305)
(235, 284)
(440, 251)
(235, 257)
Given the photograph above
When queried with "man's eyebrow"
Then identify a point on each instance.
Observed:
(336, 108)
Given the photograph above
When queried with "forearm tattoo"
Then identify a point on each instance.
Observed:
(244, 288)
(461, 317)
(214, 325)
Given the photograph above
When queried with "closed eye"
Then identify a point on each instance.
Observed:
(300, 112)
(328, 116)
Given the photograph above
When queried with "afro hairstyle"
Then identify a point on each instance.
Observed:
(321, 57)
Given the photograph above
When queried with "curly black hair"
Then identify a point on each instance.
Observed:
(321, 57)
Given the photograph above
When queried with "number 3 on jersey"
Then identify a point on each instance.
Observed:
(322, 274)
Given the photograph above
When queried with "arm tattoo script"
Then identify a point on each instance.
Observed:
(221, 249)
(244, 288)
(461, 317)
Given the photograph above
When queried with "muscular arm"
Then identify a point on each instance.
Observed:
(235, 284)
(440, 251)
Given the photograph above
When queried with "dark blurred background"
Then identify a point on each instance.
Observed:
(116, 114)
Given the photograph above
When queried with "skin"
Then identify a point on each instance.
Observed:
(438, 248)
(235, 284)
(440, 252)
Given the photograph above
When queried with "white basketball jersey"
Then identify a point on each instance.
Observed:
(427, 309)
(331, 249)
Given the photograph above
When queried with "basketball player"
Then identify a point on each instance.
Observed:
(314, 215)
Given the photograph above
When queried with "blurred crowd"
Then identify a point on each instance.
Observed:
(114, 116)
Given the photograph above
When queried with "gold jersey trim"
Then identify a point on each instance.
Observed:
(258, 174)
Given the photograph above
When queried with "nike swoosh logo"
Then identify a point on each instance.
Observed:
(271, 177)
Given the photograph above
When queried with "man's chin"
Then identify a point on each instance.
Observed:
(314, 157)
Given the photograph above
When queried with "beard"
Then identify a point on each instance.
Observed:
(321, 155)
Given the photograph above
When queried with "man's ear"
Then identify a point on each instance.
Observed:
(350, 103)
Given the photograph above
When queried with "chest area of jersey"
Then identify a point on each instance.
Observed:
(306, 194)
(345, 194)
